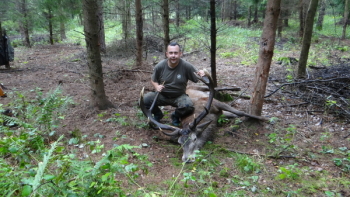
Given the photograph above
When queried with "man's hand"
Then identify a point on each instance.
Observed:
(159, 88)
(201, 73)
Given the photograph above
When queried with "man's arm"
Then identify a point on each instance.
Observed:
(156, 86)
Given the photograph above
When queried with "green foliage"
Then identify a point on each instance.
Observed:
(228, 54)
(246, 164)
(222, 120)
(224, 97)
(343, 163)
(122, 120)
(290, 172)
(54, 171)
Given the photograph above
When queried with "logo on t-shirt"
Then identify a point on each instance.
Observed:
(178, 76)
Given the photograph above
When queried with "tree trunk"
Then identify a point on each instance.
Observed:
(153, 17)
(267, 42)
(188, 12)
(177, 13)
(255, 20)
(309, 23)
(235, 9)
(213, 32)
(279, 26)
(249, 16)
(23, 22)
(101, 27)
(91, 31)
(125, 19)
(166, 39)
(321, 15)
(346, 17)
(139, 33)
(62, 31)
(49, 17)
(301, 18)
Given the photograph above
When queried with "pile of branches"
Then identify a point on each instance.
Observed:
(326, 88)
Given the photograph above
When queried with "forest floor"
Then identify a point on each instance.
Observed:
(300, 135)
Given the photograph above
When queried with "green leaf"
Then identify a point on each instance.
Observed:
(212, 195)
(337, 161)
(282, 176)
(105, 176)
(27, 190)
(48, 177)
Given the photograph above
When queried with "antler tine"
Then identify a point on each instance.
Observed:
(207, 80)
(148, 113)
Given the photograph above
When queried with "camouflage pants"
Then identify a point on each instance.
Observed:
(183, 104)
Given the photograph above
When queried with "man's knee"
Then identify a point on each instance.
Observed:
(184, 111)
(148, 99)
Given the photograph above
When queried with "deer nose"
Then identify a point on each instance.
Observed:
(190, 159)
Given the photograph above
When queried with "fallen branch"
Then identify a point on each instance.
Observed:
(268, 156)
(304, 82)
(205, 88)
(126, 70)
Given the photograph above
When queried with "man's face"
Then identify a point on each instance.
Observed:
(173, 54)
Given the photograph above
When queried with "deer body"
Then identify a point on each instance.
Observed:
(200, 126)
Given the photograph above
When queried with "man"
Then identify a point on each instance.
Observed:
(170, 78)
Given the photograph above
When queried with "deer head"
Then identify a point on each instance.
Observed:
(190, 135)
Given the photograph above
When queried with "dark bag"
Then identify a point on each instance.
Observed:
(7, 53)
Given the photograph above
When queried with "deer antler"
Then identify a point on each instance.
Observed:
(148, 113)
(207, 80)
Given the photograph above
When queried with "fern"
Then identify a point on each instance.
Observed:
(42, 166)
(9, 121)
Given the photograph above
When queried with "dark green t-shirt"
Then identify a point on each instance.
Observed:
(175, 78)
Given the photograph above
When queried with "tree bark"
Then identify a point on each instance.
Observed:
(255, 20)
(49, 17)
(301, 18)
(165, 19)
(235, 9)
(249, 16)
(101, 27)
(23, 22)
(125, 18)
(213, 32)
(346, 17)
(177, 13)
(139, 33)
(309, 23)
(321, 15)
(62, 31)
(91, 31)
(267, 42)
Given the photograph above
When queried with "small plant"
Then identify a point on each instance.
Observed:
(228, 54)
(284, 60)
(342, 48)
(222, 120)
(122, 120)
(272, 137)
(344, 163)
(246, 164)
(327, 149)
(290, 172)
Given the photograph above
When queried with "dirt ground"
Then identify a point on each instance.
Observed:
(46, 67)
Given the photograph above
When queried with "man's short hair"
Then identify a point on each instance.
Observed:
(175, 44)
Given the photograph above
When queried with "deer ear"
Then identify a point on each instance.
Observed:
(181, 139)
(204, 125)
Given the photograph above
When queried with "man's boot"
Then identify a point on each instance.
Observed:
(176, 119)
(158, 116)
